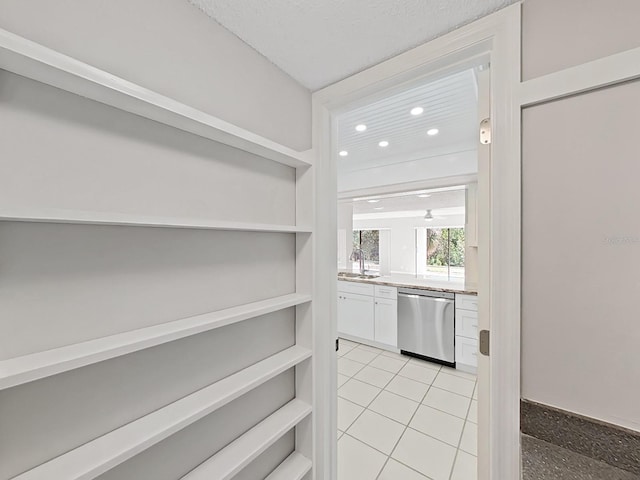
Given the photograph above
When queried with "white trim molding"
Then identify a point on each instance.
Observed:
(495, 38)
(600, 73)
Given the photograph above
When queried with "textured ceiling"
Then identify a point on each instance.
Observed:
(449, 104)
(321, 42)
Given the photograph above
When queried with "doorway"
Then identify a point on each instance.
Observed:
(407, 306)
(496, 38)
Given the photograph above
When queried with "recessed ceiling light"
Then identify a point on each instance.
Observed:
(432, 131)
(378, 208)
(424, 195)
(383, 143)
(417, 111)
(373, 201)
(343, 153)
(361, 128)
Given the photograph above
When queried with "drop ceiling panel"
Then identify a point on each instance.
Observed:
(321, 42)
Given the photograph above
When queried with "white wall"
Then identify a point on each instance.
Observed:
(560, 34)
(402, 243)
(430, 168)
(581, 229)
(173, 48)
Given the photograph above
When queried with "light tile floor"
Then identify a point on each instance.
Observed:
(400, 418)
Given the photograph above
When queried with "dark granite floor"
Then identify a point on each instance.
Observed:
(544, 461)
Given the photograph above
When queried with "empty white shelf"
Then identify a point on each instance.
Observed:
(295, 467)
(35, 61)
(98, 456)
(125, 219)
(238, 454)
(26, 368)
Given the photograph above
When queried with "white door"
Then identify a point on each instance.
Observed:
(355, 315)
(386, 321)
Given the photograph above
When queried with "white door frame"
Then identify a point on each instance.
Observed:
(497, 35)
(600, 73)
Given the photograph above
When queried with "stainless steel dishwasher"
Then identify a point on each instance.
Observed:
(426, 325)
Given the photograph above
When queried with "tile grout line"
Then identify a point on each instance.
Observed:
(464, 426)
(420, 403)
(471, 399)
(408, 378)
(406, 427)
(367, 408)
(388, 458)
(407, 398)
(350, 377)
(372, 400)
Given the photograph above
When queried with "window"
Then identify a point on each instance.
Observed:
(445, 253)
(366, 243)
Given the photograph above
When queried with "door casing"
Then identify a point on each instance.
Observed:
(497, 37)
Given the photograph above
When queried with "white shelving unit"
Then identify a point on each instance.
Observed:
(295, 467)
(128, 220)
(31, 60)
(27, 368)
(104, 453)
(237, 455)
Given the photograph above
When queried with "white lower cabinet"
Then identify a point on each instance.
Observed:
(355, 315)
(386, 321)
(466, 323)
(466, 351)
(367, 313)
(466, 332)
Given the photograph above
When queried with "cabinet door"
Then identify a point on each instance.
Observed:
(466, 323)
(355, 315)
(382, 291)
(386, 321)
(467, 351)
(467, 302)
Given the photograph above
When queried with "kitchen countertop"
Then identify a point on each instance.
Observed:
(413, 282)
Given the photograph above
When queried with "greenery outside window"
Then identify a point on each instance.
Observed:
(445, 253)
(367, 243)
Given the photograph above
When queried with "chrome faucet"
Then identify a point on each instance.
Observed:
(358, 254)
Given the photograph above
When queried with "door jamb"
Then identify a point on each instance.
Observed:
(499, 35)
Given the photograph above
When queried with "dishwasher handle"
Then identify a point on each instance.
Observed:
(408, 295)
(413, 295)
(414, 292)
